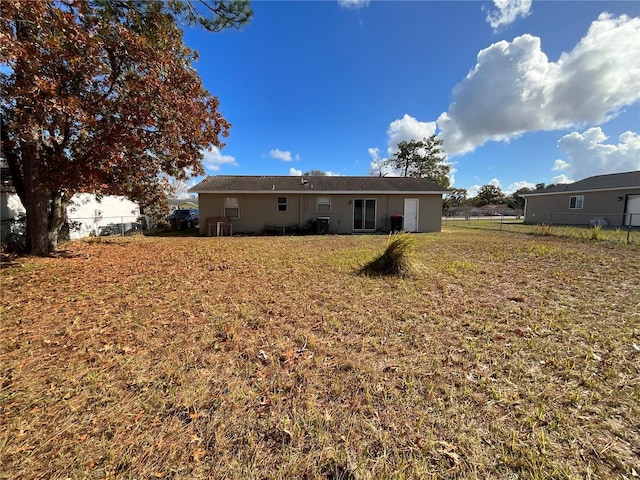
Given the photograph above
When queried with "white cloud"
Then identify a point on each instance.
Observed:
(378, 166)
(294, 172)
(588, 154)
(451, 175)
(518, 185)
(560, 165)
(283, 155)
(402, 129)
(560, 179)
(405, 129)
(473, 190)
(214, 159)
(514, 88)
(507, 12)
(353, 4)
(374, 152)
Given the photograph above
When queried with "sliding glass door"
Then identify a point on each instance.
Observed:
(364, 214)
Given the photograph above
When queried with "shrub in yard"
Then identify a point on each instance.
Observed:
(595, 232)
(395, 260)
(542, 229)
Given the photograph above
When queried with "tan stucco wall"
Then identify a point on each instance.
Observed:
(259, 210)
(554, 209)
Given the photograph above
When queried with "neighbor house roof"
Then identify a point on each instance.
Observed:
(177, 202)
(316, 184)
(496, 206)
(613, 181)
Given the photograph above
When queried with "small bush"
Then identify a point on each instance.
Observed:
(542, 229)
(396, 259)
(595, 232)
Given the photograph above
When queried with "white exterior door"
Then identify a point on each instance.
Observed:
(410, 214)
(633, 211)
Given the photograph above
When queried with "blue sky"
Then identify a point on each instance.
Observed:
(521, 92)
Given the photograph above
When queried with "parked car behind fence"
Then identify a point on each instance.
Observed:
(184, 218)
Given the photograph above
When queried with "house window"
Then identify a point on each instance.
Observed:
(323, 204)
(232, 207)
(282, 204)
(576, 201)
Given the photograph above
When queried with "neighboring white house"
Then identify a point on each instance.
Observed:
(86, 213)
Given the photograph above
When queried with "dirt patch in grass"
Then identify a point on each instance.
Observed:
(504, 356)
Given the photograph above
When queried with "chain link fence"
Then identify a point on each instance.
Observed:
(13, 230)
(12, 233)
(615, 228)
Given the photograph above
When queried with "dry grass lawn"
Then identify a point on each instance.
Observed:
(505, 357)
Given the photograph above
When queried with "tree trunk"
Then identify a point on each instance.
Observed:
(57, 219)
(46, 211)
(35, 199)
(28, 170)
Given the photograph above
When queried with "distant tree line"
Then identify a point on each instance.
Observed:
(487, 195)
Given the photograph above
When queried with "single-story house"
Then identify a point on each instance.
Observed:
(87, 215)
(496, 209)
(259, 204)
(612, 199)
(183, 204)
(484, 211)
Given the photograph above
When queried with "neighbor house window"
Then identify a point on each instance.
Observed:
(323, 204)
(576, 201)
(282, 204)
(231, 207)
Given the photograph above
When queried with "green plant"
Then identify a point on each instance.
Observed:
(595, 232)
(542, 229)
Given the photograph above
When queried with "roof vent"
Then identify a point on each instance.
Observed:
(304, 181)
(273, 187)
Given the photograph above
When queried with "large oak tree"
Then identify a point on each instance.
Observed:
(100, 96)
(489, 194)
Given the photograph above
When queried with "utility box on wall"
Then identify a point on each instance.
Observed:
(323, 224)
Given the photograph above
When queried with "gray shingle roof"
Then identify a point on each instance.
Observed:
(598, 182)
(311, 184)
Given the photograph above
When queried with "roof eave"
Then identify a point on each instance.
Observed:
(327, 192)
(586, 190)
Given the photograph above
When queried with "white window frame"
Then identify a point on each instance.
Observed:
(323, 204)
(231, 203)
(576, 202)
(280, 204)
